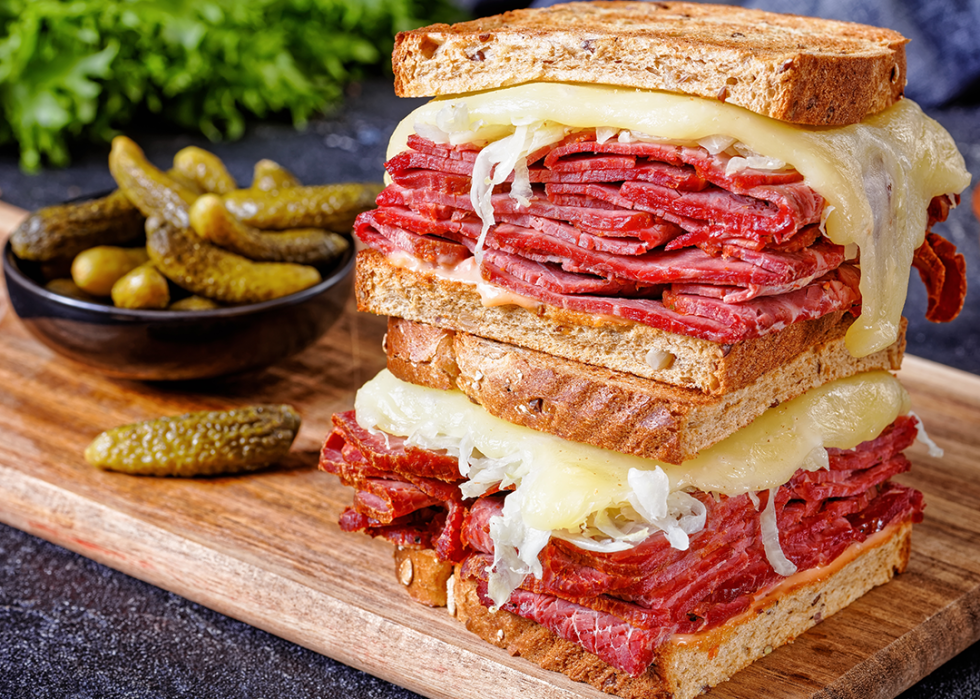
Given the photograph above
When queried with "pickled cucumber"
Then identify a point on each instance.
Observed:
(207, 270)
(95, 270)
(198, 444)
(270, 176)
(182, 179)
(205, 169)
(313, 246)
(332, 206)
(66, 287)
(143, 287)
(67, 229)
(193, 303)
(151, 190)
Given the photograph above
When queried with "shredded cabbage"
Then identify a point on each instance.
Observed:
(515, 549)
(770, 538)
(604, 133)
(495, 163)
(716, 144)
(935, 450)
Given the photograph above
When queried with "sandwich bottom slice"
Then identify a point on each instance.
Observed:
(688, 665)
(638, 577)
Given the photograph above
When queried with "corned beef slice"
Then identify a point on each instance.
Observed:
(642, 219)
(621, 605)
(605, 254)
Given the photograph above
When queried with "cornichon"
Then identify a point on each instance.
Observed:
(66, 287)
(193, 303)
(67, 229)
(97, 269)
(312, 246)
(205, 169)
(270, 176)
(332, 206)
(150, 189)
(143, 287)
(205, 269)
(198, 444)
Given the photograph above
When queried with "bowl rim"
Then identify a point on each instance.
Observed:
(12, 269)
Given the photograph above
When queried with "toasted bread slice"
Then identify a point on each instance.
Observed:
(606, 408)
(796, 69)
(709, 367)
(685, 670)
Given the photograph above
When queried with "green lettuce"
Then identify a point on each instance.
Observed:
(83, 69)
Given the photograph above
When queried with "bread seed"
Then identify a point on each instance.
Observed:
(405, 572)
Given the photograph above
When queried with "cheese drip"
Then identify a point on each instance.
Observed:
(878, 176)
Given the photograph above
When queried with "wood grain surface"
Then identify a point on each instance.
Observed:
(265, 548)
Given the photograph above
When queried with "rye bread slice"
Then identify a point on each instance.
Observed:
(795, 69)
(712, 368)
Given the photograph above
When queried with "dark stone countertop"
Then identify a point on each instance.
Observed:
(70, 627)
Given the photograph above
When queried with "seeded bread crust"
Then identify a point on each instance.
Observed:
(686, 671)
(795, 69)
(610, 343)
(423, 575)
(605, 408)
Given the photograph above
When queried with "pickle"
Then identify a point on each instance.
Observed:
(95, 270)
(205, 169)
(151, 190)
(332, 206)
(185, 181)
(193, 303)
(143, 287)
(198, 444)
(270, 176)
(313, 246)
(67, 229)
(66, 287)
(205, 269)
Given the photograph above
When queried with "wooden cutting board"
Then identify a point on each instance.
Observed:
(265, 548)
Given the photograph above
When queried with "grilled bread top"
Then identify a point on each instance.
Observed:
(795, 69)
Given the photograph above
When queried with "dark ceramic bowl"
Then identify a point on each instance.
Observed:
(176, 345)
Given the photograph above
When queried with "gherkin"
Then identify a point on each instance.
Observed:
(309, 246)
(330, 206)
(270, 176)
(198, 444)
(210, 271)
(65, 230)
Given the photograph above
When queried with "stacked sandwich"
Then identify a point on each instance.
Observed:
(644, 266)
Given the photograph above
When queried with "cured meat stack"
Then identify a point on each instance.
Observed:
(622, 432)
(652, 233)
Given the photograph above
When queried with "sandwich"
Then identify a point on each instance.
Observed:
(644, 267)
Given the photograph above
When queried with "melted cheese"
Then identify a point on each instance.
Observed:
(562, 483)
(878, 176)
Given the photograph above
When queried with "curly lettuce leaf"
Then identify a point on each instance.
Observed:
(87, 68)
